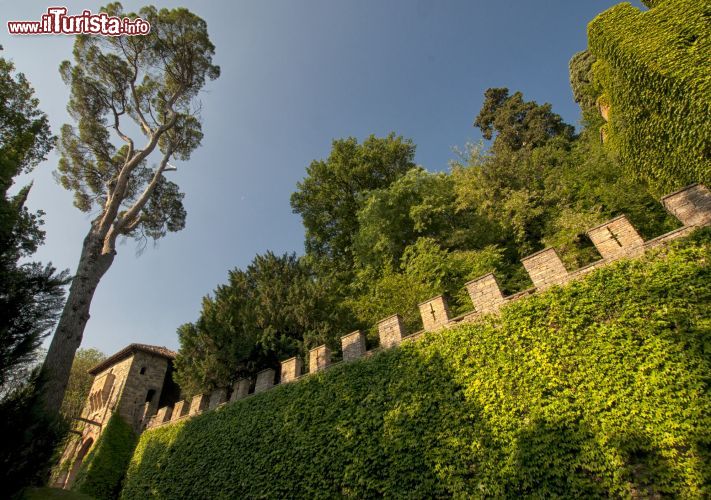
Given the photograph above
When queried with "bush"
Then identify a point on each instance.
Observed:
(597, 389)
(29, 437)
(654, 68)
(103, 469)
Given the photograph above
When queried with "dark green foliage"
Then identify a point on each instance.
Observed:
(653, 69)
(595, 390)
(273, 310)
(30, 293)
(518, 124)
(30, 437)
(104, 467)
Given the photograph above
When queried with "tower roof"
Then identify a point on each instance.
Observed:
(130, 350)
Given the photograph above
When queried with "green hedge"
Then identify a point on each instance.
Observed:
(654, 68)
(597, 389)
(104, 467)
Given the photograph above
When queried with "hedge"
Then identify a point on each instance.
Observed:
(103, 468)
(597, 389)
(654, 69)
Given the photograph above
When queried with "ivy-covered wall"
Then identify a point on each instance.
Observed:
(104, 467)
(653, 70)
(597, 389)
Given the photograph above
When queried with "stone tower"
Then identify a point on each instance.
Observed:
(133, 382)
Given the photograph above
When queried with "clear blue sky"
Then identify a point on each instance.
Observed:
(295, 75)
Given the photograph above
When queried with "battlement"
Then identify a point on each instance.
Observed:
(614, 239)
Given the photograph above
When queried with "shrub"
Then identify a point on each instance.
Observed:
(30, 436)
(597, 389)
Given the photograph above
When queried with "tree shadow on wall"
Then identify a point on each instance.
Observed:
(558, 459)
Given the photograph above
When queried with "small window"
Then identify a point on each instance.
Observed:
(149, 396)
(143, 370)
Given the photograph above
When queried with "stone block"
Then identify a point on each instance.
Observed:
(691, 205)
(199, 404)
(179, 410)
(291, 369)
(353, 345)
(319, 358)
(485, 294)
(265, 380)
(240, 389)
(391, 331)
(217, 397)
(545, 268)
(434, 312)
(616, 238)
(163, 415)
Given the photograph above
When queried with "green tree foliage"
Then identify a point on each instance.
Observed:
(271, 311)
(652, 68)
(595, 390)
(329, 198)
(549, 196)
(418, 204)
(425, 270)
(30, 293)
(80, 381)
(124, 90)
(103, 469)
(518, 124)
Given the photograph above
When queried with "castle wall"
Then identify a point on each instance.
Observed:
(614, 239)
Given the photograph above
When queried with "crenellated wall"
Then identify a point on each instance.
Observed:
(614, 239)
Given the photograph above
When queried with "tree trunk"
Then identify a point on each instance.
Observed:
(93, 264)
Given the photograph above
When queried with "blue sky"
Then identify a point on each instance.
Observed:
(295, 75)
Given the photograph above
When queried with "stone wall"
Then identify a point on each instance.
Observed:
(353, 345)
(614, 239)
(391, 331)
(485, 293)
(434, 312)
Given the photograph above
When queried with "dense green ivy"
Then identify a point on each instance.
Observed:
(103, 469)
(597, 389)
(654, 69)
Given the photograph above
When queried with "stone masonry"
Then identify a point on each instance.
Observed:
(613, 239)
(129, 383)
(319, 358)
(163, 415)
(485, 293)
(545, 268)
(391, 331)
(240, 389)
(265, 380)
(434, 312)
(353, 345)
(217, 397)
(179, 410)
(616, 238)
(290, 369)
(199, 404)
(691, 205)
